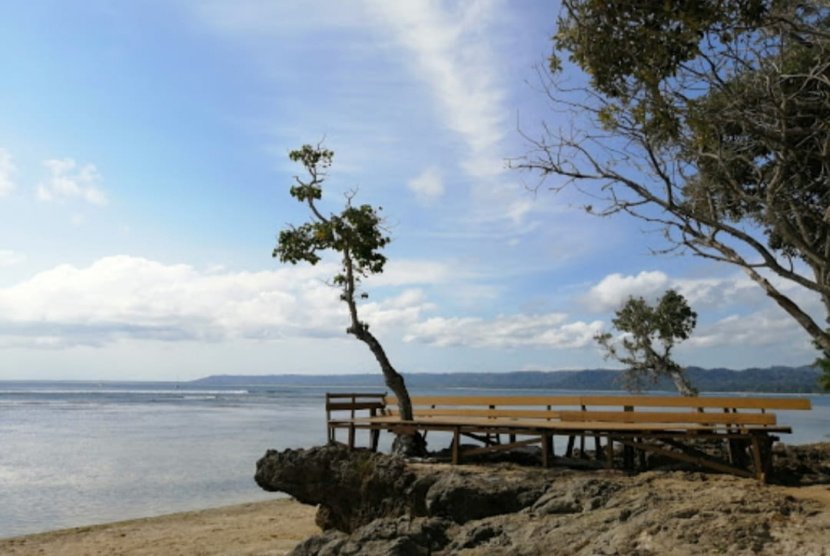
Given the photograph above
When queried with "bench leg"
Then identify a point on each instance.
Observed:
(547, 449)
(757, 459)
(569, 451)
(610, 452)
(641, 455)
(456, 446)
(351, 436)
(768, 455)
(628, 457)
(762, 457)
(374, 434)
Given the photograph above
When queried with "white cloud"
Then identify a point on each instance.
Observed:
(402, 310)
(451, 46)
(10, 258)
(507, 331)
(69, 180)
(7, 170)
(452, 57)
(736, 290)
(427, 187)
(123, 297)
(769, 327)
(612, 291)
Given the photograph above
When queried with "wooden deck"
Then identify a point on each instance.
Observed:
(670, 426)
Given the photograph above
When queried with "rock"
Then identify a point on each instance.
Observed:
(808, 464)
(384, 506)
(352, 487)
(387, 537)
(461, 496)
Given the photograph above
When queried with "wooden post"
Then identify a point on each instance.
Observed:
(330, 431)
(351, 436)
(374, 433)
(610, 448)
(758, 460)
(547, 449)
(456, 446)
(582, 441)
(569, 451)
(628, 451)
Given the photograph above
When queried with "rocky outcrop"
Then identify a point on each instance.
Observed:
(351, 488)
(802, 465)
(378, 505)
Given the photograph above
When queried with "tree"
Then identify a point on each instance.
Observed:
(649, 334)
(709, 120)
(357, 235)
(823, 363)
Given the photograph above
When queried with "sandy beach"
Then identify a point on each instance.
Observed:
(264, 528)
(271, 528)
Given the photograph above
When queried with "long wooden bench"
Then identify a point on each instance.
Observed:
(671, 426)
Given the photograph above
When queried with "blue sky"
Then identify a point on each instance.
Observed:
(144, 177)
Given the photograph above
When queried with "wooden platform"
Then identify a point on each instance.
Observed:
(671, 426)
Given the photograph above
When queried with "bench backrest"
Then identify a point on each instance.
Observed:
(352, 402)
(733, 410)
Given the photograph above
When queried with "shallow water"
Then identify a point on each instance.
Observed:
(75, 454)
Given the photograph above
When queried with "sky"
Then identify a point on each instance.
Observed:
(144, 177)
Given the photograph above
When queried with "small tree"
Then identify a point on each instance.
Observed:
(649, 334)
(357, 235)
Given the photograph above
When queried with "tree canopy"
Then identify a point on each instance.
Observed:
(711, 120)
(649, 333)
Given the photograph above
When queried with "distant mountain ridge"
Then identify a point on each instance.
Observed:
(778, 379)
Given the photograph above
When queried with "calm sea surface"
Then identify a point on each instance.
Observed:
(75, 454)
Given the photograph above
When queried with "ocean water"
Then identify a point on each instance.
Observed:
(75, 454)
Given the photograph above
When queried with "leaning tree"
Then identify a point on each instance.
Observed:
(709, 120)
(357, 235)
(648, 335)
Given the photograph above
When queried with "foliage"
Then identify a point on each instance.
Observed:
(709, 120)
(649, 335)
(357, 235)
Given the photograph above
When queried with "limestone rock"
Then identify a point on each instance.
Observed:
(380, 505)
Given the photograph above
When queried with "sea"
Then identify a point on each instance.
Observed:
(81, 453)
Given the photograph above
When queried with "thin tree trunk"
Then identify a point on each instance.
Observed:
(682, 383)
(406, 444)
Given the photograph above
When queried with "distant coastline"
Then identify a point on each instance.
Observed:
(777, 379)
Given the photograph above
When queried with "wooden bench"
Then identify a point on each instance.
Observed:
(671, 426)
(338, 404)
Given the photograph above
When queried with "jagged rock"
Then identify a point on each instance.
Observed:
(509, 510)
(462, 496)
(383, 537)
(808, 464)
(352, 487)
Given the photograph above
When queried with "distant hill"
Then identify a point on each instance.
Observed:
(770, 379)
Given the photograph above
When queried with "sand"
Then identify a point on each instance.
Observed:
(271, 528)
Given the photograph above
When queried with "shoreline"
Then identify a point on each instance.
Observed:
(271, 527)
